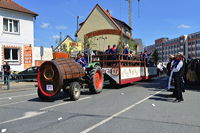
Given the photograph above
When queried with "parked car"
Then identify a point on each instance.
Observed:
(30, 74)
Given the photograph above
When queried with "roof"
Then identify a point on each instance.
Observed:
(64, 41)
(113, 19)
(11, 5)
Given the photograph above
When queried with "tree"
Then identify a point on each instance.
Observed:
(132, 46)
(155, 56)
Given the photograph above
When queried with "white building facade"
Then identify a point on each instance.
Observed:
(16, 36)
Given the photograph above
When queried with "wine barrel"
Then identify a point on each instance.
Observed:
(51, 75)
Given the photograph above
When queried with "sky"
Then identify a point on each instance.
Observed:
(152, 19)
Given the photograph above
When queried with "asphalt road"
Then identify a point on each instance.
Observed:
(142, 107)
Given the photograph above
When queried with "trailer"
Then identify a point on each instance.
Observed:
(122, 69)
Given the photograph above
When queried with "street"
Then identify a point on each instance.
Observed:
(142, 107)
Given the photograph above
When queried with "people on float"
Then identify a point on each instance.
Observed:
(108, 57)
(81, 60)
(125, 51)
(178, 70)
(114, 51)
(87, 53)
(141, 56)
(108, 51)
(146, 56)
(130, 55)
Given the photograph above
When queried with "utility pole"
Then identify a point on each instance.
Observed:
(130, 12)
(77, 22)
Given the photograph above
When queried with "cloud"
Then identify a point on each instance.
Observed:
(183, 26)
(61, 27)
(55, 36)
(45, 25)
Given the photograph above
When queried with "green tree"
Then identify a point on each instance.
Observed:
(155, 56)
(132, 46)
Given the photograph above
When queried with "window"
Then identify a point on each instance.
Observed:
(10, 25)
(12, 54)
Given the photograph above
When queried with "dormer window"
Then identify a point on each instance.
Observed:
(10, 25)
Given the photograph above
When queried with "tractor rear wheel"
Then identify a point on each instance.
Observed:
(41, 95)
(75, 91)
(96, 80)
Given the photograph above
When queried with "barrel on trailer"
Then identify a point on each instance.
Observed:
(52, 76)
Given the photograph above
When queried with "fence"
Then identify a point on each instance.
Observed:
(6, 80)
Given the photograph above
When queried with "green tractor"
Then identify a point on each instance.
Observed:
(94, 75)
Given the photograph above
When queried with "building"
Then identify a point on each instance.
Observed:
(69, 45)
(139, 45)
(101, 29)
(189, 45)
(47, 55)
(150, 48)
(16, 35)
(194, 45)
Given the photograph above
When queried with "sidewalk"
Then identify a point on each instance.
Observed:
(18, 86)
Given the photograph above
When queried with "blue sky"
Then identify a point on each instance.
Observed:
(157, 18)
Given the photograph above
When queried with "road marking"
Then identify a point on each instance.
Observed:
(45, 108)
(117, 114)
(26, 116)
(12, 103)
(18, 96)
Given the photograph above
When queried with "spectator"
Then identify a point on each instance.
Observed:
(160, 68)
(177, 75)
(169, 70)
(6, 70)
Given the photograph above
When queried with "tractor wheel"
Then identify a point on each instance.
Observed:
(41, 95)
(75, 91)
(96, 80)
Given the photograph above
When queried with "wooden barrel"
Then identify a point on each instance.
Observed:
(51, 75)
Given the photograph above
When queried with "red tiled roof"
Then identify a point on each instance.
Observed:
(11, 5)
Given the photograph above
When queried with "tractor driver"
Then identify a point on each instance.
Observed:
(81, 60)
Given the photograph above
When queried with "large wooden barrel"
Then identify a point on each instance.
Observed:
(51, 75)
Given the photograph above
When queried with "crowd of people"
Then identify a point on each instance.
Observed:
(175, 71)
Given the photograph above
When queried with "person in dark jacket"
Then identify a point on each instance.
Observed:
(178, 67)
(108, 50)
(114, 51)
(6, 70)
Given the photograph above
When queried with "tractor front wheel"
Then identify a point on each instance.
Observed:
(96, 80)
